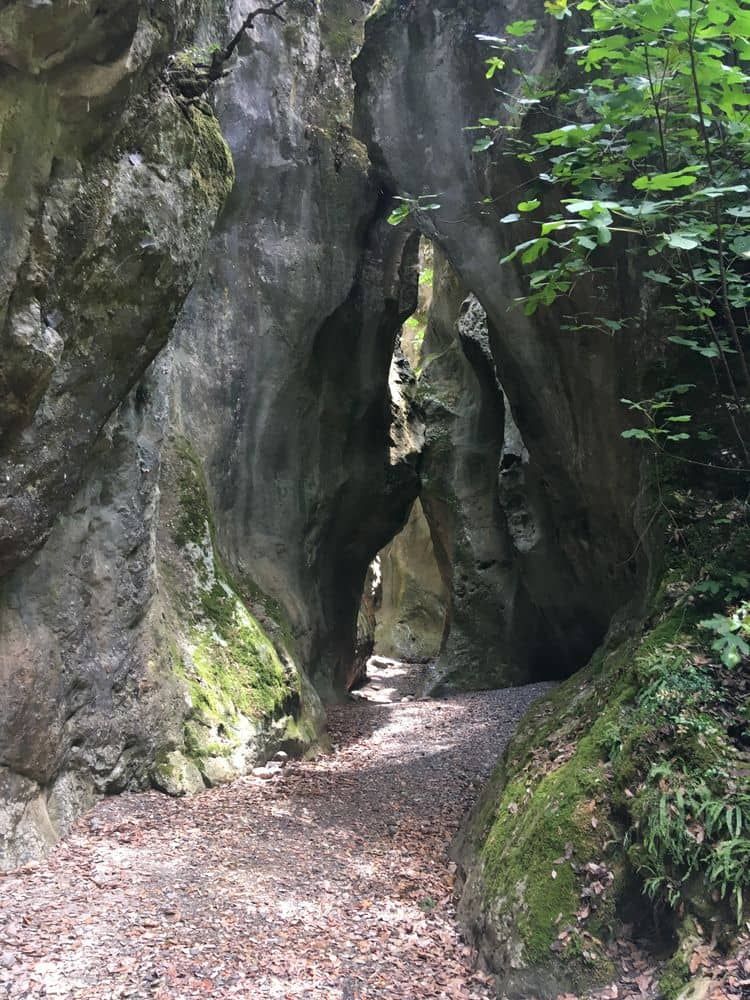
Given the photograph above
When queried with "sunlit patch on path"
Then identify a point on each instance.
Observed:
(327, 879)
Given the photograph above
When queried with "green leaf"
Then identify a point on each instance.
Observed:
(684, 342)
(489, 122)
(553, 226)
(667, 182)
(516, 250)
(537, 248)
(482, 144)
(636, 432)
(682, 241)
(494, 64)
(519, 29)
(399, 213)
(511, 217)
(528, 206)
(557, 8)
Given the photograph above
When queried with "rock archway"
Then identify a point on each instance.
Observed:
(184, 548)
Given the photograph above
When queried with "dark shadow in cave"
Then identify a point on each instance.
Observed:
(471, 585)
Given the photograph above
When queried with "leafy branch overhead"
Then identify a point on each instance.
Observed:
(647, 154)
(192, 72)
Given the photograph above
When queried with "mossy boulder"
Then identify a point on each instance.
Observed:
(174, 774)
(622, 794)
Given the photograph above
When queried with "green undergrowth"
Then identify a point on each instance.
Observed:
(626, 791)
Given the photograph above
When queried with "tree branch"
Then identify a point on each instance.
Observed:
(224, 55)
(192, 77)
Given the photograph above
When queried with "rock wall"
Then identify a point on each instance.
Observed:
(555, 584)
(181, 550)
(284, 348)
(412, 598)
(110, 186)
(175, 550)
(495, 635)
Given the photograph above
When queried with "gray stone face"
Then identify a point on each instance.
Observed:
(109, 188)
(284, 348)
(75, 663)
(173, 554)
(108, 191)
(184, 541)
(490, 631)
(412, 598)
(570, 553)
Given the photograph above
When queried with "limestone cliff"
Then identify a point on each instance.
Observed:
(179, 552)
(564, 547)
(184, 547)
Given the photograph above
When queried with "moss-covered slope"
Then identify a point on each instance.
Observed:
(624, 799)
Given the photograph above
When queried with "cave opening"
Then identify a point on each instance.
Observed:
(465, 594)
(407, 601)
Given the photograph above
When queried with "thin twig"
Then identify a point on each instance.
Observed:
(247, 25)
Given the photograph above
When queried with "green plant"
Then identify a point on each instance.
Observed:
(683, 828)
(649, 153)
(409, 205)
(689, 817)
(729, 631)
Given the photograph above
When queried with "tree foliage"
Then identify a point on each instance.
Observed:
(650, 147)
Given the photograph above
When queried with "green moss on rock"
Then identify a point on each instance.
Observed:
(174, 774)
(237, 668)
(193, 518)
(544, 830)
(629, 767)
(341, 27)
(228, 646)
(213, 166)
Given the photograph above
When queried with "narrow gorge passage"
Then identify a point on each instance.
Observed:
(331, 880)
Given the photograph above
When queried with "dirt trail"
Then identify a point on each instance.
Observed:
(328, 881)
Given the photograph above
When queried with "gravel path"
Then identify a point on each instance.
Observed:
(329, 880)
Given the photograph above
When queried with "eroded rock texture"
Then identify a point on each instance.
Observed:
(411, 598)
(492, 636)
(180, 551)
(110, 185)
(284, 348)
(175, 551)
(556, 579)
